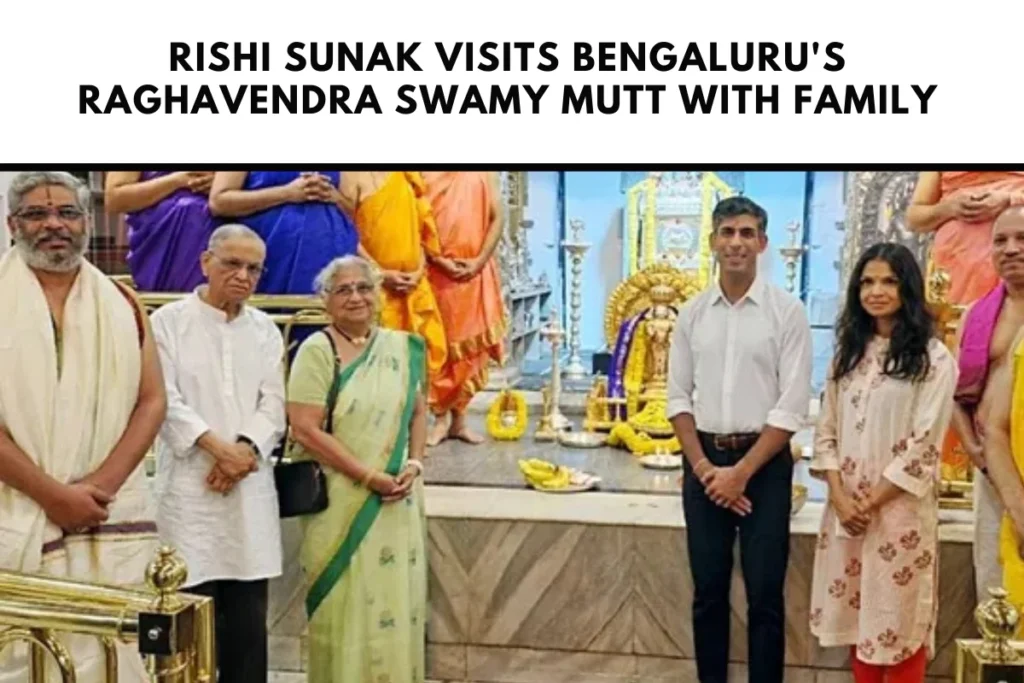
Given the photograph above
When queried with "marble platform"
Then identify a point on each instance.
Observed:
(528, 587)
(494, 464)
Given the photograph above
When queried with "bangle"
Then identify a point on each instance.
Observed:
(415, 463)
(370, 474)
(699, 465)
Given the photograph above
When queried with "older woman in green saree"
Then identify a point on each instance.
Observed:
(364, 556)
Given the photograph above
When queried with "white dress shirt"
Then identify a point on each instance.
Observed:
(224, 377)
(739, 367)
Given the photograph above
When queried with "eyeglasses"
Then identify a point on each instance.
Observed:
(254, 270)
(38, 214)
(346, 291)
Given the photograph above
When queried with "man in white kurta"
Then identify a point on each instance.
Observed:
(217, 503)
(81, 400)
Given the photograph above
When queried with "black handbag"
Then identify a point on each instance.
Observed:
(302, 485)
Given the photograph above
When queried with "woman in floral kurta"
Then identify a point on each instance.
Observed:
(877, 443)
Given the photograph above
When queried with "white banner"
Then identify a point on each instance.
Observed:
(524, 81)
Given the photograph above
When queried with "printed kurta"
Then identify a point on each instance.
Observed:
(878, 591)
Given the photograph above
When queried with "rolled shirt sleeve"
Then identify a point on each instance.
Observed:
(790, 411)
(680, 370)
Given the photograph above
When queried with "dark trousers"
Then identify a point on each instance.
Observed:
(240, 614)
(764, 553)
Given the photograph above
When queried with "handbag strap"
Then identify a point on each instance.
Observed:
(332, 393)
(330, 403)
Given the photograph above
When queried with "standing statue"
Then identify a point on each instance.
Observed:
(658, 329)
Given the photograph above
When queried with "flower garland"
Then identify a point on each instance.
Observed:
(495, 426)
(639, 443)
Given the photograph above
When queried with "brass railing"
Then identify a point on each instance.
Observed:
(173, 631)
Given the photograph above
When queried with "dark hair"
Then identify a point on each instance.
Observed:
(731, 207)
(914, 325)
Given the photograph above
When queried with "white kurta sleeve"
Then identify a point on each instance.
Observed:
(266, 426)
(826, 432)
(182, 427)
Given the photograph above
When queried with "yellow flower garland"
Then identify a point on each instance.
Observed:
(495, 428)
(641, 444)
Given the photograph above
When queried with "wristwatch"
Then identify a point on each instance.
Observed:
(251, 444)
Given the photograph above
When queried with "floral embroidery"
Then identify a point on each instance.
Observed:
(859, 425)
(822, 540)
(864, 487)
(910, 540)
(914, 469)
(887, 552)
(905, 653)
(816, 614)
(903, 576)
(924, 560)
(853, 567)
(899, 448)
(412, 557)
(930, 455)
(837, 589)
(849, 466)
(867, 648)
(888, 639)
(855, 600)
(387, 620)
(387, 556)
(855, 400)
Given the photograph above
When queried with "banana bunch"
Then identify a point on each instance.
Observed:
(545, 475)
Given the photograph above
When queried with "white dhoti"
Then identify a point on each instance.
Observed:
(67, 423)
(988, 517)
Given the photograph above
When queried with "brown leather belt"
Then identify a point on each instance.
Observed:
(734, 442)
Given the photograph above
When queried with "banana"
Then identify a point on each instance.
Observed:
(544, 475)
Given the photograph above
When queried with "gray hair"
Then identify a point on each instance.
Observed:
(230, 231)
(325, 279)
(25, 182)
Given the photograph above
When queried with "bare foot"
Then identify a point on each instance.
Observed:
(461, 432)
(438, 432)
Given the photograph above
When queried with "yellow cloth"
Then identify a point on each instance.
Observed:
(1009, 543)
(396, 226)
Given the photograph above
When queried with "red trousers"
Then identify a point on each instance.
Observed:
(910, 670)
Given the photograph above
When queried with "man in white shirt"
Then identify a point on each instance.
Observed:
(739, 388)
(222, 363)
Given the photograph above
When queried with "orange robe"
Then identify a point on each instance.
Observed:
(963, 249)
(473, 311)
(395, 227)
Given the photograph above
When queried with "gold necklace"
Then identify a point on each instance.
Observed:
(356, 341)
